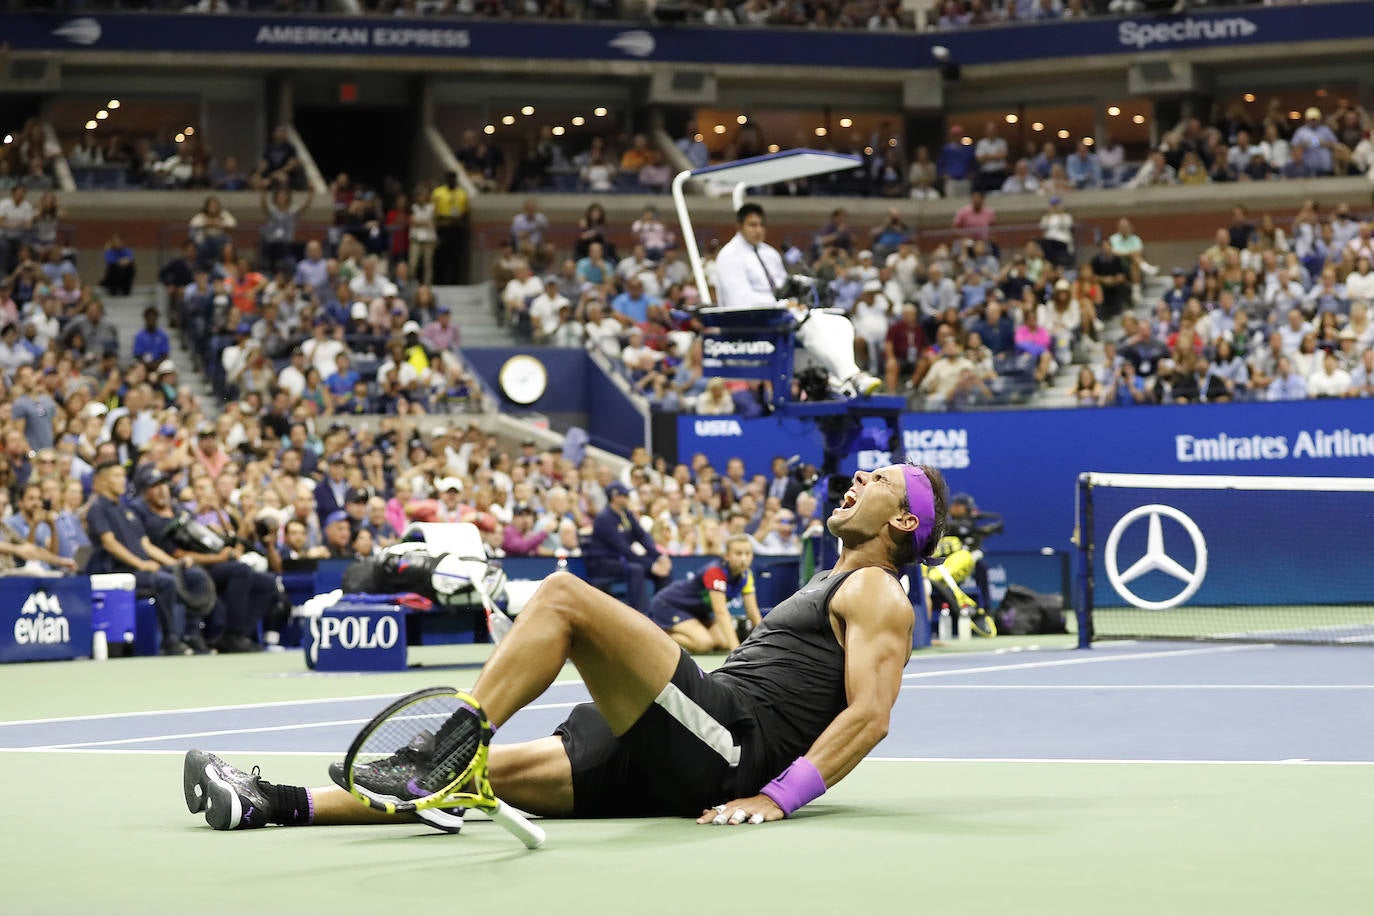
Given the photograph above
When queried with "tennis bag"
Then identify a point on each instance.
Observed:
(1024, 612)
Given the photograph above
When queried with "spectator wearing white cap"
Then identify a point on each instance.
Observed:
(451, 508)
(1317, 140)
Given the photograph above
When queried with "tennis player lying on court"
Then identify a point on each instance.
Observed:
(791, 711)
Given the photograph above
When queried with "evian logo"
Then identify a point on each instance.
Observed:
(716, 348)
(1141, 35)
(718, 428)
(636, 43)
(83, 31)
(41, 621)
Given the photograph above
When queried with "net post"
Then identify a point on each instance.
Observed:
(1083, 541)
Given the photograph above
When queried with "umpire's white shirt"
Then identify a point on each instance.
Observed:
(741, 280)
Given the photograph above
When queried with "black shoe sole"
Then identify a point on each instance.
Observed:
(194, 779)
(205, 791)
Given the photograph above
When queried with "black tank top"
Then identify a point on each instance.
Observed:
(790, 672)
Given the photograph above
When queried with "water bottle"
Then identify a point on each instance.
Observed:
(944, 630)
(965, 625)
(100, 647)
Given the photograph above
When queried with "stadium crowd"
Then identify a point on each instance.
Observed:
(968, 321)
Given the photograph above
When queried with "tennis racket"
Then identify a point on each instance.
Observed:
(429, 750)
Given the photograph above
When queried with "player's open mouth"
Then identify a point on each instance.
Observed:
(850, 498)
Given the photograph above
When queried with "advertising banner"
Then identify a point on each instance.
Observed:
(1024, 463)
(532, 40)
(43, 619)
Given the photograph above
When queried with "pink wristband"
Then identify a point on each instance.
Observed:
(799, 784)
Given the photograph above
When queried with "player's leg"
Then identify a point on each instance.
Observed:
(534, 776)
(693, 636)
(624, 658)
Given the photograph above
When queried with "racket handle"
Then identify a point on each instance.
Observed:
(532, 835)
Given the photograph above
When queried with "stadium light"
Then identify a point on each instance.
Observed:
(9, 138)
(773, 147)
(112, 104)
(101, 115)
(1038, 126)
(846, 122)
(578, 121)
(558, 131)
(821, 131)
(599, 112)
(508, 120)
(1113, 111)
(1063, 134)
(1249, 96)
(966, 141)
(892, 142)
(1012, 119)
(1138, 119)
(91, 124)
(718, 129)
(1294, 115)
(742, 120)
(527, 110)
(189, 131)
(1088, 141)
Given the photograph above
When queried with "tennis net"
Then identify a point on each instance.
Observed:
(1245, 559)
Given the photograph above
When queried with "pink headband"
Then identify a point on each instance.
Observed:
(920, 499)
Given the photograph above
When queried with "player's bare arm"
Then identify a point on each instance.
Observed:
(874, 618)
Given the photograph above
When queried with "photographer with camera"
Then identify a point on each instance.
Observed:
(173, 528)
(750, 274)
(971, 527)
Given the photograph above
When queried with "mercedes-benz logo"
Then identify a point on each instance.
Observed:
(1156, 559)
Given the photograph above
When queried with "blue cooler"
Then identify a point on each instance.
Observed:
(112, 607)
(358, 637)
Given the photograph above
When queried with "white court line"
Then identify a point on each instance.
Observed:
(146, 751)
(1138, 687)
(1293, 761)
(227, 707)
(1092, 660)
(237, 731)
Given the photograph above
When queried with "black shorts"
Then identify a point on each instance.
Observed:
(688, 751)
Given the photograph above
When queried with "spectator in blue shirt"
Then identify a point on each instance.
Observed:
(997, 329)
(634, 302)
(1130, 387)
(341, 383)
(1287, 384)
(119, 267)
(1084, 170)
(1177, 296)
(151, 344)
(1316, 140)
(956, 163)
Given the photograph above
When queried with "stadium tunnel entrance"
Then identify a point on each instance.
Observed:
(373, 145)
